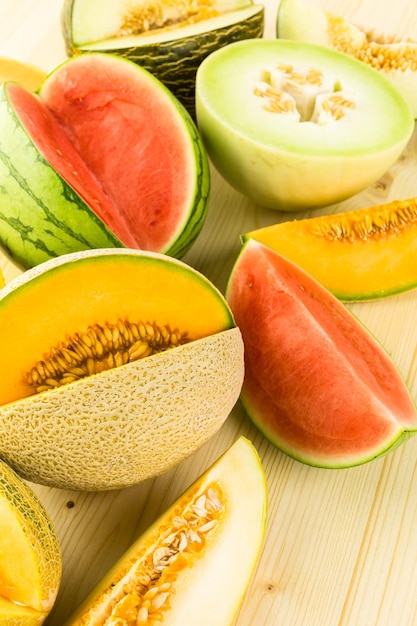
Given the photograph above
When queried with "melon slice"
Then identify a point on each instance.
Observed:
(30, 555)
(120, 364)
(358, 255)
(393, 55)
(317, 384)
(194, 564)
(294, 125)
(104, 156)
(26, 74)
(169, 39)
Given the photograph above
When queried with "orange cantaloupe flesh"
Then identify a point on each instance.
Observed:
(39, 314)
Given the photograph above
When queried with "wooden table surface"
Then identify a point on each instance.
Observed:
(341, 546)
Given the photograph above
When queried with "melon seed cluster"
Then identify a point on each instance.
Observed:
(397, 216)
(140, 598)
(303, 95)
(388, 53)
(100, 348)
(149, 16)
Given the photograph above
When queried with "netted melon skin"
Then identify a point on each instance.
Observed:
(125, 425)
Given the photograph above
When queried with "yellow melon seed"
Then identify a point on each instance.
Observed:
(100, 348)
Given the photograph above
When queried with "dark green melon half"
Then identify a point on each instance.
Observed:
(104, 156)
(317, 384)
(172, 54)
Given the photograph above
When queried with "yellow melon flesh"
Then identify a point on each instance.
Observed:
(39, 309)
(30, 557)
(204, 578)
(27, 75)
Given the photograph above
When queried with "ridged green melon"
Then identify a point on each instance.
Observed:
(358, 255)
(194, 564)
(295, 126)
(30, 554)
(393, 55)
(103, 156)
(168, 39)
(120, 364)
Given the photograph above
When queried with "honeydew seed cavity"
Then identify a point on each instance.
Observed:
(303, 95)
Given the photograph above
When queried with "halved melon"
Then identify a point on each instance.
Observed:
(294, 125)
(317, 384)
(393, 55)
(30, 555)
(194, 564)
(358, 255)
(104, 156)
(169, 39)
(120, 364)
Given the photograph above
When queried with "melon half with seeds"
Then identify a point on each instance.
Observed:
(393, 55)
(121, 364)
(30, 554)
(102, 156)
(294, 126)
(194, 564)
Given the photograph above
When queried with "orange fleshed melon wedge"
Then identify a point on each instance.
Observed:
(122, 363)
(193, 565)
(30, 556)
(28, 75)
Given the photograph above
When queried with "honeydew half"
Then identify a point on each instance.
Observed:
(294, 125)
(119, 365)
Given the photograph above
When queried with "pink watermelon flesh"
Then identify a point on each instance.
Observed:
(118, 140)
(317, 383)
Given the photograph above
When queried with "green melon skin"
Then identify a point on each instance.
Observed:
(282, 163)
(174, 57)
(41, 216)
(317, 384)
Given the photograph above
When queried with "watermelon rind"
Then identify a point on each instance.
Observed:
(41, 216)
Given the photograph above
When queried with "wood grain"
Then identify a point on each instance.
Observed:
(341, 546)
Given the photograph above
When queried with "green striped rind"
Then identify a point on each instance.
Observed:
(38, 528)
(193, 221)
(41, 216)
(175, 62)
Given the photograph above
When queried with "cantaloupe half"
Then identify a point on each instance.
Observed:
(30, 555)
(194, 564)
(120, 364)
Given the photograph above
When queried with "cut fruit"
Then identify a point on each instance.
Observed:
(358, 255)
(27, 75)
(394, 56)
(296, 126)
(317, 384)
(30, 555)
(105, 156)
(141, 366)
(205, 546)
(168, 39)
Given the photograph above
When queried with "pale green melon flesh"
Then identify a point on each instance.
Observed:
(90, 23)
(276, 160)
(218, 570)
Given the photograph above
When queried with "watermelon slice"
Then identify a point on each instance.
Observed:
(103, 156)
(317, 384)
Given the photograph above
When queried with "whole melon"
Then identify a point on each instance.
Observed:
(317, 384)
(121, 363)
(104, 156)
